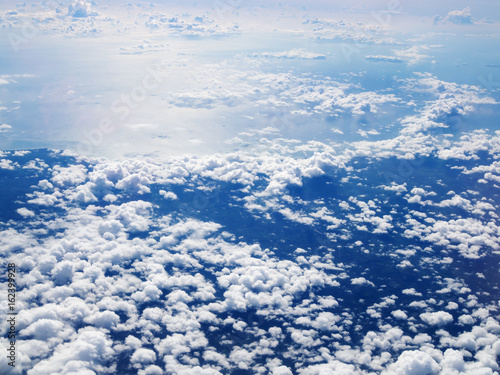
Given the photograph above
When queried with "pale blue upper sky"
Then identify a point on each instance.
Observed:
(68, 72)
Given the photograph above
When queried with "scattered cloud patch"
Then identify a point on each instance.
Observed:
(24, 212)
(297, 53)
(81, 9)
(457, 17)
(4, 128)
(381, 58)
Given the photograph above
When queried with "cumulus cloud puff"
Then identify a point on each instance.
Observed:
(460, 17)
(439, 318)
(81, 9)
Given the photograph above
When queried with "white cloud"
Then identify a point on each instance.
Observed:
(360, 281)
(88, 349)
(381, 58)
(68, 176)
(349, 32)
(460, 17)
(439, 318)
(63, 272)
(105, 319)
(453, 101)
(168, 194)
(44, 329)
(395, 187)
(24, 212)
(134, 216)
(81, 9)
(414, 362)
(296, 53)
(413, 55)
(143, 356)
(182, 24)
(305, 338)
(399, 314)
(281, 370)
(333, 367)
(4, 128)
(151, 370)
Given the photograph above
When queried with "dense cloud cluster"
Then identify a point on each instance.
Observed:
(258, 263)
